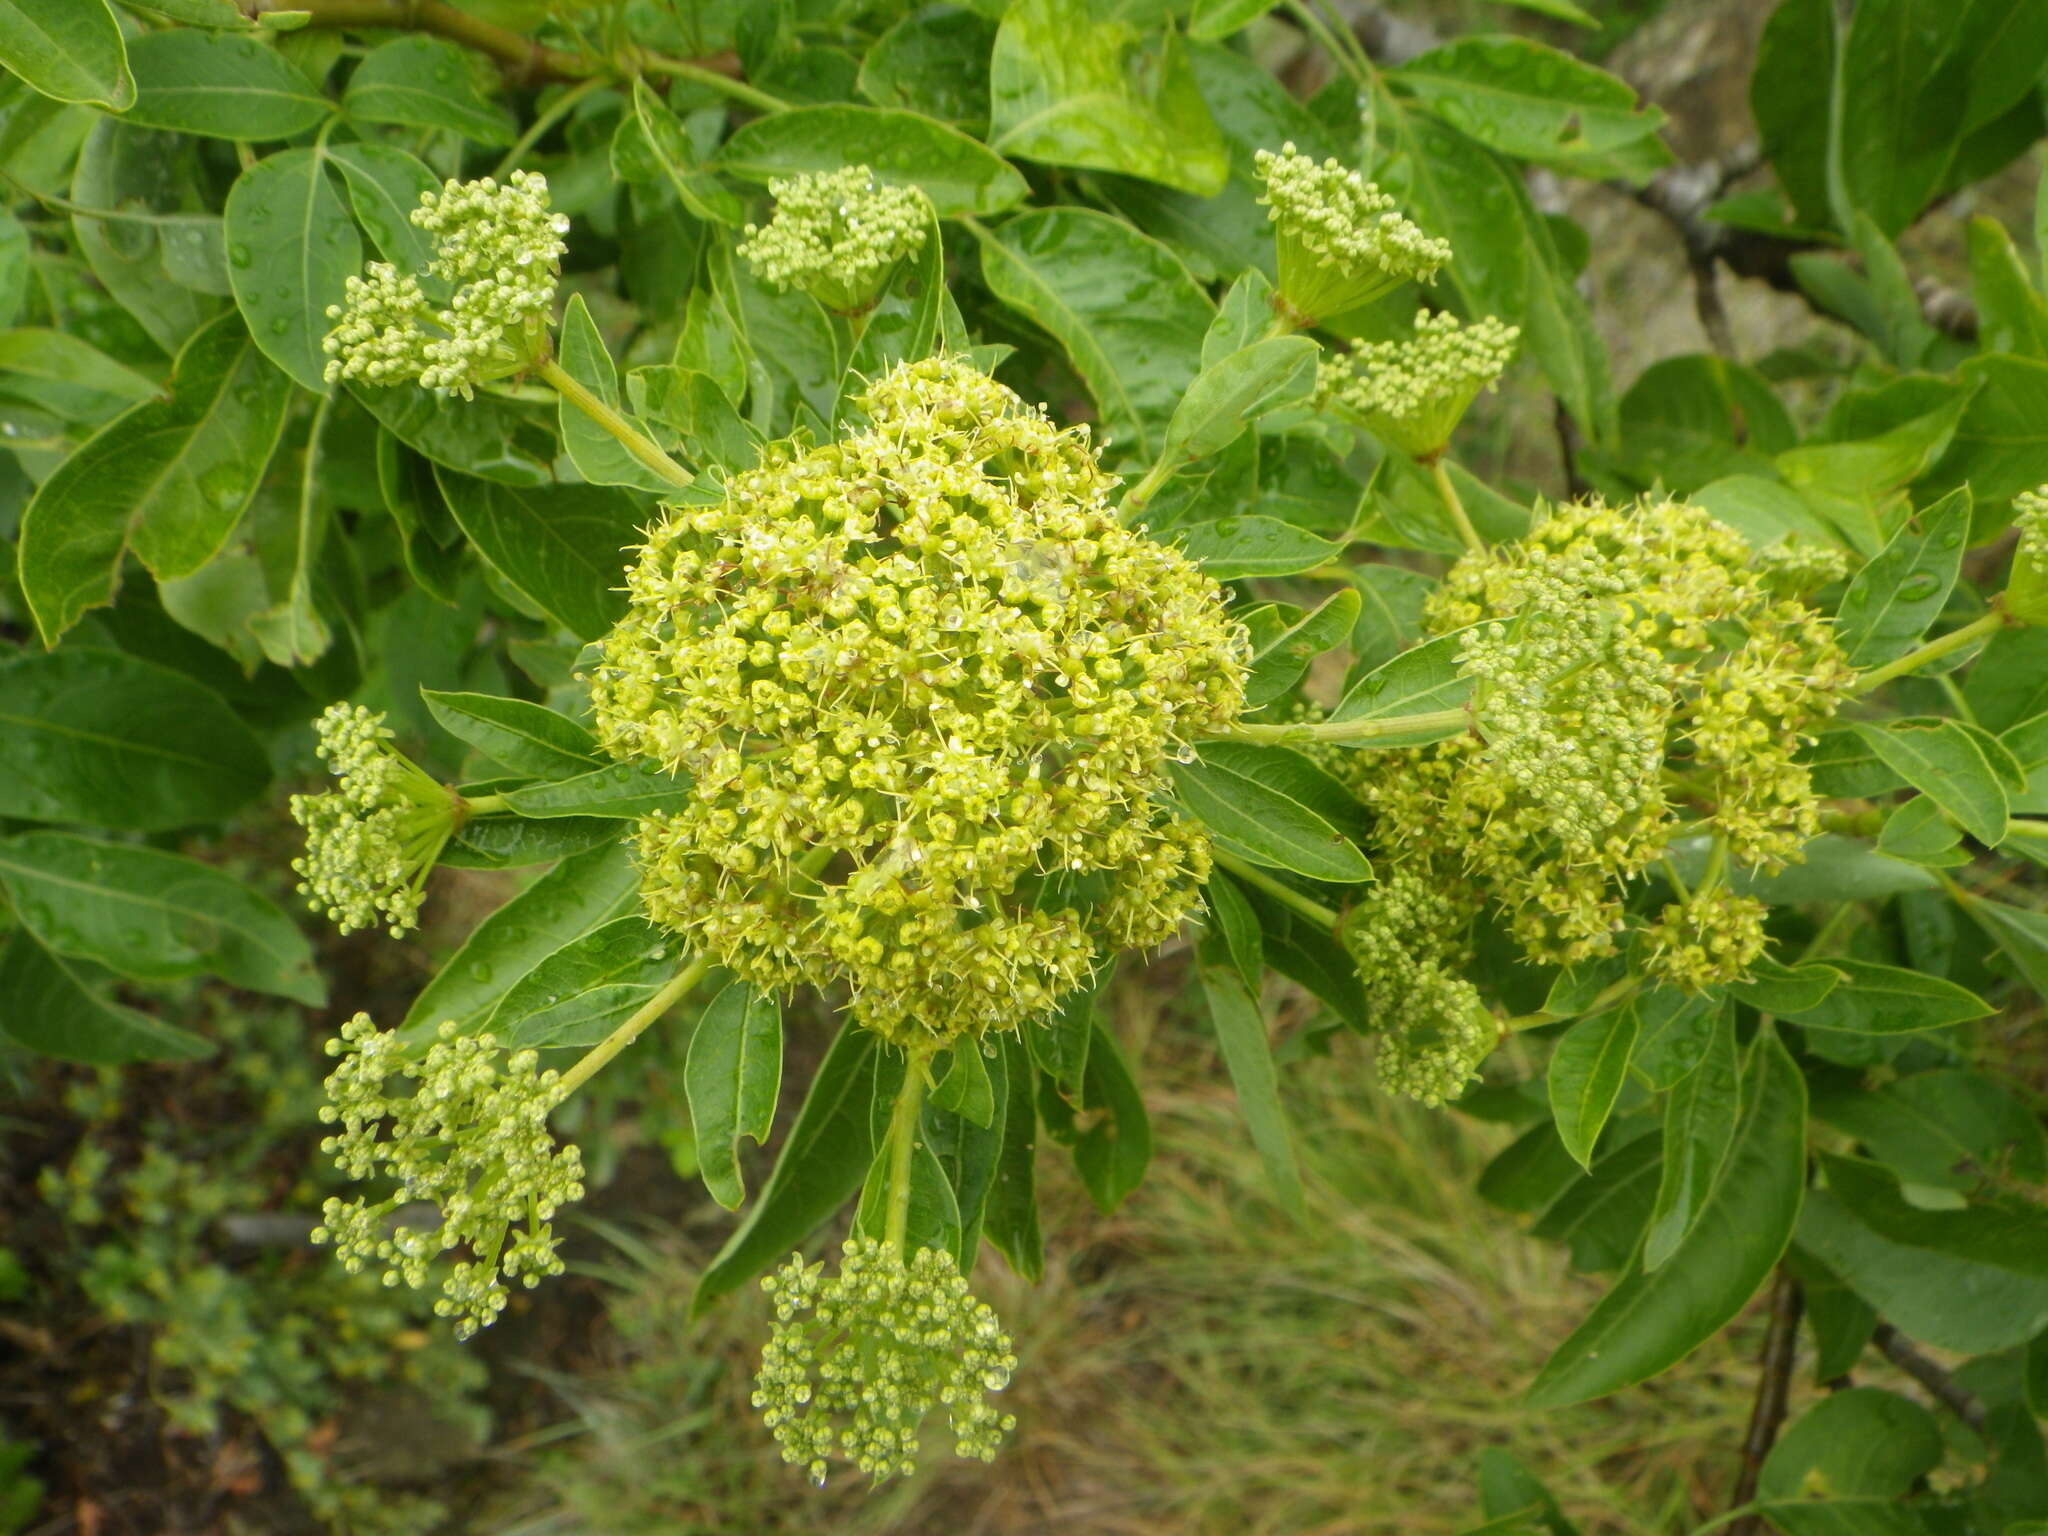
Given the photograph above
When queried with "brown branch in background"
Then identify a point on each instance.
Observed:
(1774, 1380)
(1906, 1355)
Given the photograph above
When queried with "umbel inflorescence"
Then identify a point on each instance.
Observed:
(837, 235)
(497, 255)
(467, 1134)
(1412, 394)
(924, 684)
(1628, 662)
(1339, 240)
(855, 1362)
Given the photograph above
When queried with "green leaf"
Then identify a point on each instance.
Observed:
(1010, 1214)
(1649, 1322)
(1232, 789)
(138, 170)
(513, 842)
(1790, 98)
(2019, 931)
(1775, 988)
(1940, 1129)
(823, 1161)
(1213, 19)
(1859, 486)
(581, 893)
(219, 87)
(168, 480)
(1875, 999)
(598, 456)
(1232, 548)
(50, 1009)
(1059, 1045)
(1110, 1154)
(732, 1077)
(1600, 1217)
(966, 1090)
(524, 737)
(1237, 925)
(1129, 315)
(1860, 1441)
(651, 141)
(67, 376)
(1941, 759)
(933, 62)
(587, 988)
(154, 916)
(1897, 595)
(2001, 1231)
(2000, 446)
(969, 1152)
(1539, 104)
(1280, 663)
(2011, 316)
(1699, 1125)
(424, 82)
(384, 187)
(624, 791)
(291, 247)
(1227, 396)
(1676, 1031)
(490, 437)
(1690, 421)
(934, 1218)
(1421, 680)
(109, 740)
(562, 547)
(67, 49)
(1248, 1053)
(959, 175)
(1509, 1489)
(1919, 833)
(1586, 1073)
(1069, 85)
(1835, 869)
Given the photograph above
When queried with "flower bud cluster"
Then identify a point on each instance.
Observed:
(1412, 394)
(497, 252)
(1619, 654)
(466, 1132)
(371, 842)
(925, 684)
(837, 235)
(853, 1363)
(1340, 241)
(2026, 587)
(1708, 940)
(1407, 935)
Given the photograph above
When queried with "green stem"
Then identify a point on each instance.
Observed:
(2020, 826)
(1977, 629)
(528, 62)
(1342, 731)
(1441, 473)
(601, 1053)
(482, 805)
(1279, 890)
(1147, 488)
(1615, 994)
(725, 85)
(903, 1128)
(636, 442)
(558, 109)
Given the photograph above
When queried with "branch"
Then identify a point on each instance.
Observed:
(1906, 1355)
(1773, 1383)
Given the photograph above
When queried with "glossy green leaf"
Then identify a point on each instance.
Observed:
(933, 62)
(562, 546)
(1230, 788)
(1010, 1214)
(524, 737)
(598, 456)
(1942, 760)
(1112, 1152)
(106, 739)
(1586, 1073)
(1072, 85)
(965, 1089)
(1941, 1129)
(490, 437)
(291, 247)
(138, 170)
(1674, 1031)
(1059, 1045)
(168, 480)
(969, 1152)
(1772, 987)
(154, 916)
(219, 86)
(425, 82)
(1835, 869)
(1228, 395)
(52, 1010)
(959, 175)
(1240, 1027)
(1126, 310)
(1232, 548)
(620, 790)
(1601, 1215)
(732, 1077)
(1860, 1441)
(588, 987)
(1648, 1322)
(1421, 680)
(1539, 104)
(1999, 1230)
(1212, 19)
(1280, 662)
(1919, 833)
(513, 842)
(823, 1161)
(2000, 446)
(67, 49)
(67, 376)
(1699, 1124)
(1875, 999)
(1897, 595)
(1236, 924)
(2011, 315)
(385, 185)
(581, 893)
(652, 142)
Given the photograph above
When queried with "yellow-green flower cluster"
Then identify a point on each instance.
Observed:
(925, 684)
(1624, 659)
(837, 235)
(1407, 934)
(853, 1363)
(1707, 940)
(497, 251)
(467, 1133)
(2026, 589)
(1412, 394)
(1793, 568)
(1339, 240)
(371, 842)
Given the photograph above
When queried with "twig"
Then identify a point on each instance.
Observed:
(1906, 1355)
(1781, 1342)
